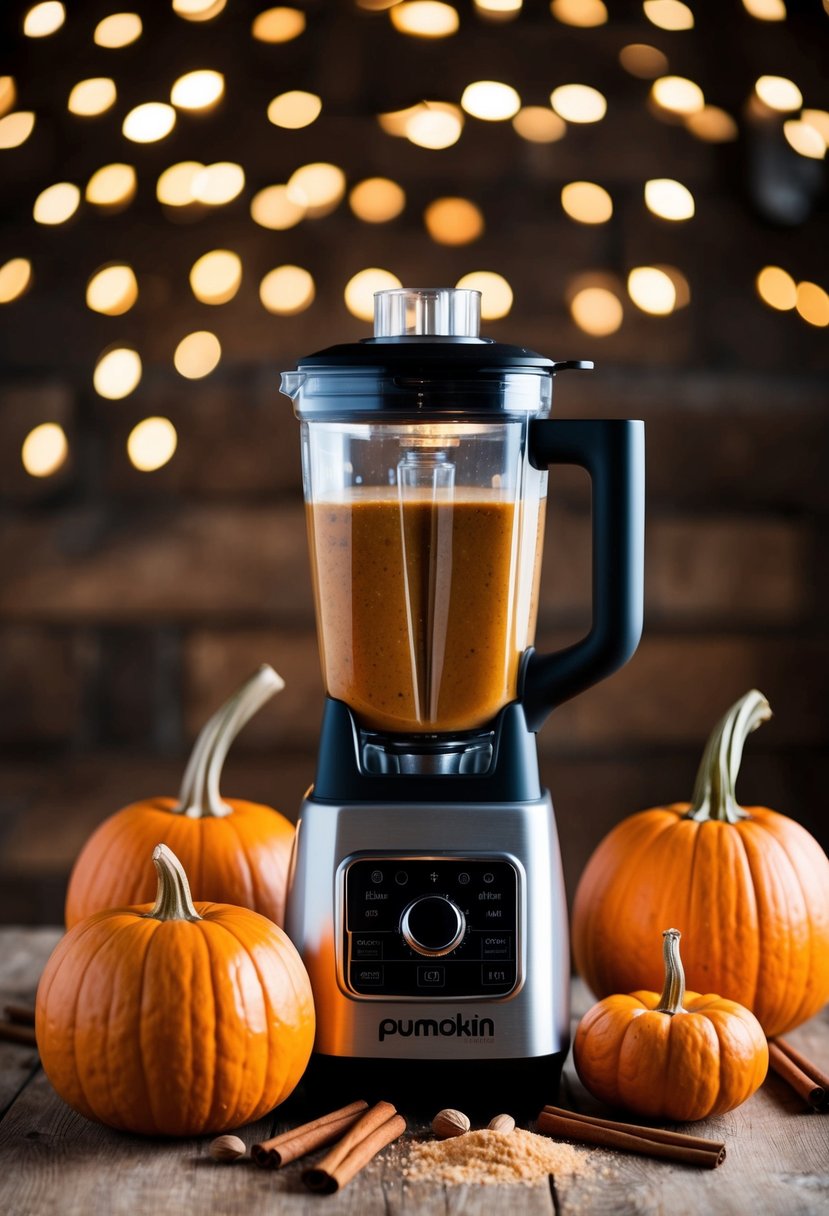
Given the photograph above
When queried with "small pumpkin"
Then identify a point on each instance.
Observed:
(747, 886)
(237, 852)
(176, 1019)
(678, 1055)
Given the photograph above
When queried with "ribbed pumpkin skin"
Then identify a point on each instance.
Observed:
(682, 1066)
(241, 858)
(175, 1028)
(751, 900)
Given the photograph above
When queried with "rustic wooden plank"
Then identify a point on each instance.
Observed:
(23, 953)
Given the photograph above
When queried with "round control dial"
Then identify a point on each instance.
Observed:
(433, 925)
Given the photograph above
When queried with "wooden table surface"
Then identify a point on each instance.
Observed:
(53, 1162)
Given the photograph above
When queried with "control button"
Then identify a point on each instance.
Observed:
(434, 876)
(401, 878)
(431, 977)
(366, 977)
(489, 877)
(433, 925)
(363, 946)
(377, 877)
(463, 878)
(496, 945)
(498, 976)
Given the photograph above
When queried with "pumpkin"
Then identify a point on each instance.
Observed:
(747, 886)
(678, 1055)
(237, 852)
(174, 1019)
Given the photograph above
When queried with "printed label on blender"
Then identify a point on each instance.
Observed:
(445, 1028)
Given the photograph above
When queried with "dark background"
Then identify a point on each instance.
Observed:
(131, 603)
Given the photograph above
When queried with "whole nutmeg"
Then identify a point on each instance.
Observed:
(227, 1148)
(448, 1123)
(502, 1123)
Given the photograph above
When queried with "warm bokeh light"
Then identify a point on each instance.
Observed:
(813, 304)
(56, 204)
(44, 450)
(669, 199)
(643, 60)
(490, 100)
(219, 183)
(819, 119)
(777, 288)
(112, 290)
(539, 125)
(669, 14)
(198, 90)
(278, 25)
(678, 94)
(434, 125)
(779, 93)
(682, 288)
(93, 96)
(652, 290)
(766, 10)
(453, 221)
(377, 200)
(713, 125)
(582, 13)
(111, 186)
(118, 30)
(496, 293)
(498, 10)
(198, 10)
(596, 311)
(175, 185)
(359, 290)
(197, 355)
(294, 110)
(216, 276)
(149, 122)
(117, 373)
(151, 444)
(16, 128)
(804, 138)
(8, 94)
(287, 290)
(15, 279)
(318, 188)
(586, 202)
(424, 18)
(578, 103)
(394, 122)
(274, 208)
(44, 19)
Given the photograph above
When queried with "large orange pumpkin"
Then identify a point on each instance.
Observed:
(175, 1019)
(236, 852)
(748, 888)
(678, 1055)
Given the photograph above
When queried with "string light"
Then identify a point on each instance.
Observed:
(219, 183)
(434, 125)
(119, 30)
(682, 288)
(819, 119)
(669, 14)
(44, 19)
(216, 276)
(278, 25)
(394, 122)
(318, 188)
(578, 103)
(496, 293)
(587, 202)
(377, 200)
(490, 100)
(147, 123)
(766, 10)
(16, 128)
(812, 304)
(652, 290)
(539, 125)
(117, 373)
(91, 97)
(498, 10)
(669, 199)
(360, 289)
(643, 61)
(273, 208)
(453, 221)
(779, 93)
(44, 450)
(424, 18)
(198, 10)
(197, 355)
(151, 444)
(112, 290)
(56, 204)
(15, 279)
(294, 110)
(583, 13)
(198, 90)
(804, 138)
(287, 290)
(596, 310)
(777, 288)
(678, 94)
(174, 187)
(713, 125)
(112, 186)
(8, 94)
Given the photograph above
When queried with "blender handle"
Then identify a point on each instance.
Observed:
(613, 453)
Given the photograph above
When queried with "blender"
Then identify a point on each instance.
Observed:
(426, 893)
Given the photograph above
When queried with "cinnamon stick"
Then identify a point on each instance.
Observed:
(290, 1145)
(630, 1138)
(377, 1128)
(24, 1015)
(804, 1077)
(17, 1034)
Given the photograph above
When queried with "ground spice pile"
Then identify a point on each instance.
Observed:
(491, 1158)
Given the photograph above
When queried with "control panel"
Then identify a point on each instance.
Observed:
(430, 927)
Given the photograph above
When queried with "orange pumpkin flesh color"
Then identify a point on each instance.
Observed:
(748, 888)
(236, 852)
(176, 1019)
(678, 1055)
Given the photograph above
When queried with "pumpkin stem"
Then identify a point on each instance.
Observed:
(173, 900)
(673, 993)
(199, 795)
(714, 796)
